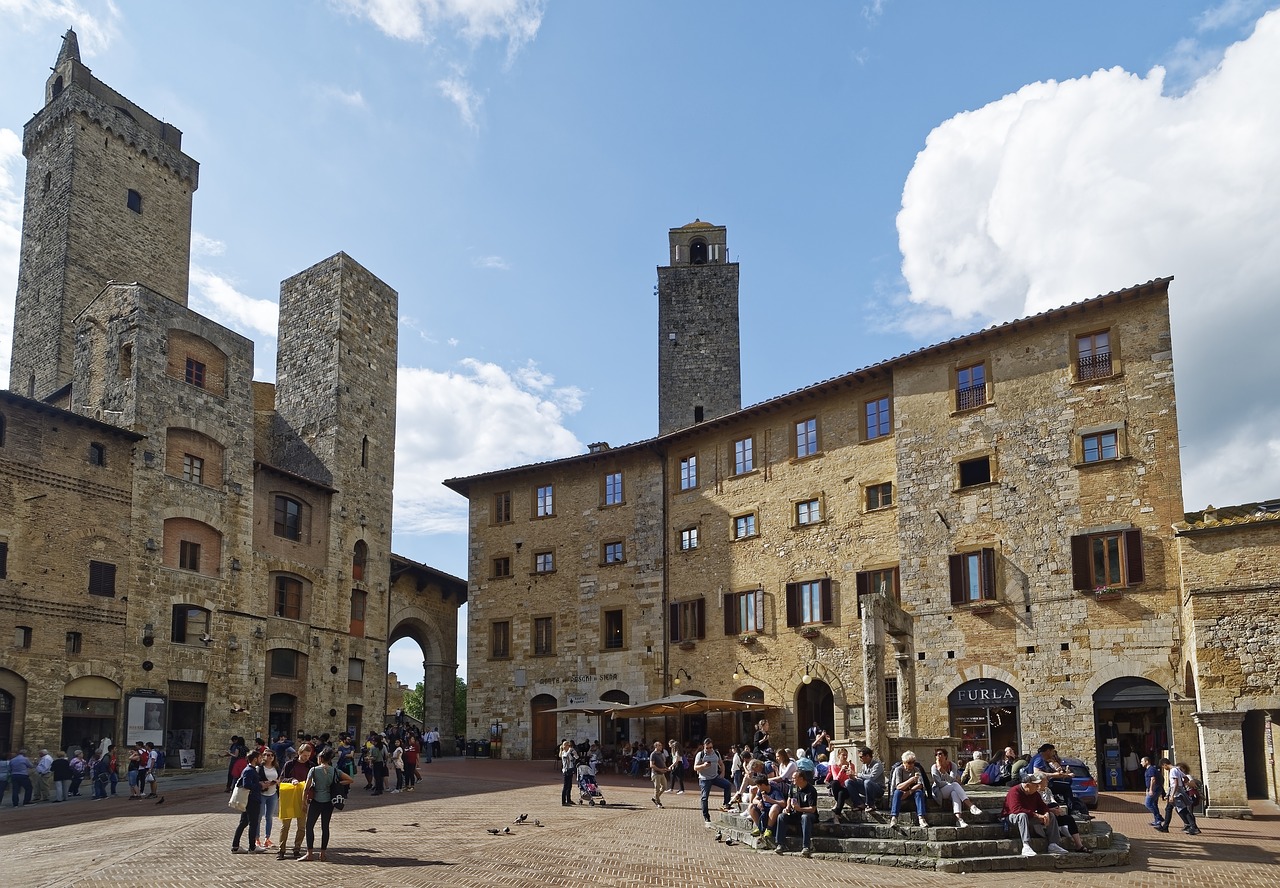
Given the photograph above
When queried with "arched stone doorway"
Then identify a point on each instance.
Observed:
(814, 702)
(615, 732)
(13, 698)
(984, 715)
(543, 743)
(90, 711)
(1130, 714)
(747, 720)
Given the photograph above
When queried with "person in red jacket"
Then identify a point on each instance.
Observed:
(1025, 808)
(410, 764)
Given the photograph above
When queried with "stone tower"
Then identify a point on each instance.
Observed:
(108, 198)
(699, 361)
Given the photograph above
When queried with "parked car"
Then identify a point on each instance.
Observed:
(1083, 785)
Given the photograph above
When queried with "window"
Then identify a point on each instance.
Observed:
(102, 579)
(883, 581)
(544, 502)
(1093, 356)
(97, 454)
(809, 512)
(744, 456)
(501, 567)
(74, 642)
(500, 639)
(364, 452)
(284, 663)
(613, 488)
(1, 429)
(544, 562)
(688, 620)
(4, 560)
(688, 539)
(809, 602)
(22, 637)
(195, 372)
(355, 677)
(190, 624)
(743, 612)
(877, 418)
(133, 200)
(614, 637)
(613, 552)
(1111, 558)
(891, 699)
(879, 496)
(975, 471)
(502, 507)
(744, 526)
(189, 555)
(288, 522)
(689, 472)
(192, 469)
(359, 558)
(359, 603)
(544, 636)
(1100, 446)
(288, 598)
(971, 386)
(806, 438)
(973, 576)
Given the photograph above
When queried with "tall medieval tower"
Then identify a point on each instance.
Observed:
(108, 198)
(699, 360)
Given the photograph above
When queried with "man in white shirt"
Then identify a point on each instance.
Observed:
(44, 777)
(709, 767)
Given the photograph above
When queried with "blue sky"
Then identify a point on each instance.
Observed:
(890, 173)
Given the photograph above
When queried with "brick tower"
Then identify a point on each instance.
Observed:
(699, 361)
(108, 198)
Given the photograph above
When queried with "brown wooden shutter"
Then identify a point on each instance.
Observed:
(700, 612)
(1081, 575)
(731, 614)
(862, 580)
(793, 604)
(674, 623)
(1135, 572)
(989, 574)
(824, 588)
(957, 578)
(759, 605)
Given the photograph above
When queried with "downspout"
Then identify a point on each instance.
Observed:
(666, 653)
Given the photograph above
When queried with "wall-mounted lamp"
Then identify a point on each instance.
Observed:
(681, 671)
(148, 635)
(150, 545)
(740, 671)
(232, 644)
(806, 678)
(257, 632)
(235, 563)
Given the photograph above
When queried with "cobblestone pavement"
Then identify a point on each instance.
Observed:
(437, 836)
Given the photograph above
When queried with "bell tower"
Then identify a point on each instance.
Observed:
(699, 357)
(108, 198)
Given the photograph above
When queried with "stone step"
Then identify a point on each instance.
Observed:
(942, 828)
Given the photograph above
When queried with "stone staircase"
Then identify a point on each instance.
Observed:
(982, 846)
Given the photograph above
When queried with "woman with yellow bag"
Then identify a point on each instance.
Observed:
(292, 802)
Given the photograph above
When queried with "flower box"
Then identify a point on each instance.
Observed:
(811, 632)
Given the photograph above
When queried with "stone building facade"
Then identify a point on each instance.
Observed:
(187, 554)
(971, 540)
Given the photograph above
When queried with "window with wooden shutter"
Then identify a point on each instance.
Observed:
(973, 576)
(1106, 560)
(688, 620)
(809, 602)
(743, 612)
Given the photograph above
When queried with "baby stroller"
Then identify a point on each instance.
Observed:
(588, 789)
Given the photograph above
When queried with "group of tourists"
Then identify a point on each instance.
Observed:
(60, 777)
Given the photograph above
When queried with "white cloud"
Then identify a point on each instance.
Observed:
(495, 262)
(1065, 190)
(11, 187)
(515, 21)
(95, 23)
(217, 298)
(202, 245)
(476, 419)
(457, 90)
(1229, 14)
(353, 98)
(873, 11)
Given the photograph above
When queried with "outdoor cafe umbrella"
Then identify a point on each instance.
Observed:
(590, 707)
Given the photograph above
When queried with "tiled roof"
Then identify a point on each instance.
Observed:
(1211, 518)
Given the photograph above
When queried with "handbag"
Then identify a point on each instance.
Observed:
(239, 798)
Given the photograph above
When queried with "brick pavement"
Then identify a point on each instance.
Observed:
(437, 837)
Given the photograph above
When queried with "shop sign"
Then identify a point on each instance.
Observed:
(987, 693)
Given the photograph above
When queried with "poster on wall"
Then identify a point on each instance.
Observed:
(145, 720)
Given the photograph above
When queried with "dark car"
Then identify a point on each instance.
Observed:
(1084, 787)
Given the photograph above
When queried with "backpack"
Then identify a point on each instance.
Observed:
(1191, 786)
(993, 774)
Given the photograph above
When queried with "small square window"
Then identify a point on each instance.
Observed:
(502, 507)
(879, 496)
(192, 469)
(975, 471)
(22, 637)
(544, 501)
(689, 539)
(195, 372)
(744, 526)
(501, 567)
(809, 512)
(190, 624)
(806, 437)
(744, 456)
(284, 663)
(613, 553)
(1100, 446)
(97, 454)
(544, 562)
(189, 555)
(613, 488)
(971, 386)
(134, 201)
(74, 642)
(102, 579)
(689, 472)
(877, 413)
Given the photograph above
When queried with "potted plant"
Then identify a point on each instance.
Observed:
(746, 639)
(1107, 593)
(810, 632)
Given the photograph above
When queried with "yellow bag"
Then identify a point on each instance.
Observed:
(291, 807)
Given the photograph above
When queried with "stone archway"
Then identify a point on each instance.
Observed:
(423, 607)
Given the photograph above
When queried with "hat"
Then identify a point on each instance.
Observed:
(1036, 776)
(805, 764)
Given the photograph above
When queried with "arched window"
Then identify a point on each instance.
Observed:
(358, 559)
(57, 87)
(698, 252)
(190, 625)
(364, 453)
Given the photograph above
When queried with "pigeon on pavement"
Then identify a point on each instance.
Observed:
(521, 819)
(493, 832)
